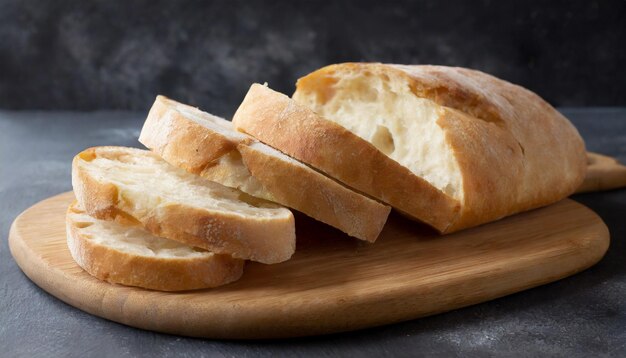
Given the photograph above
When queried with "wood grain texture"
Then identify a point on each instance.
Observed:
(603, 173)
(332, 283)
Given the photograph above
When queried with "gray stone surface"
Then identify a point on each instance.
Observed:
(103, 54)
(581, 316)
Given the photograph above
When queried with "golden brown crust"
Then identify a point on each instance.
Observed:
(499, 156)
(98, 199)
(290, 184)
(168, 130)
(316, 195)
(264, 240)
(603, 173)
(157, 273)
(297, 131)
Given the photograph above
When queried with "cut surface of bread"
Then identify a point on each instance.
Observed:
(387, 115)
(127, 254)
(174, 204)
(451, 147)
(175, 132)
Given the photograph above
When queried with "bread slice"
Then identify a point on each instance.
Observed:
(207, 145)
(127, 254)
(174, 204)
(451, 147)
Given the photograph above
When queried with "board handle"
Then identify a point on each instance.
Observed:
(603, 173)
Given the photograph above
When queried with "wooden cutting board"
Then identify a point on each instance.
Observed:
(332, 283)
(603, 173)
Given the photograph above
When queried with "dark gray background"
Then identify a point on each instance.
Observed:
(119, 54)
(87, 55)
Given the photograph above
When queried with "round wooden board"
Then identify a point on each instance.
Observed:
(333, 283)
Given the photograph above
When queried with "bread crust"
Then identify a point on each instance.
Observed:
(515, 151)
(280, 122)
(266, 240)
(317, 195)
(295, 186)
(157, 273)
(168, 130)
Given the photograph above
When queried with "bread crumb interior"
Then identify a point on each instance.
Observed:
(383, 111)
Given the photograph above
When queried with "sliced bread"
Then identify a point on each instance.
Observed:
(451, 147)
(178, 133)
(172, 203)
(127, 254)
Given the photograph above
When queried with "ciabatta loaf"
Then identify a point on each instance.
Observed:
(451, 147)
(207, 145)
(172, 203)
(126, 253)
